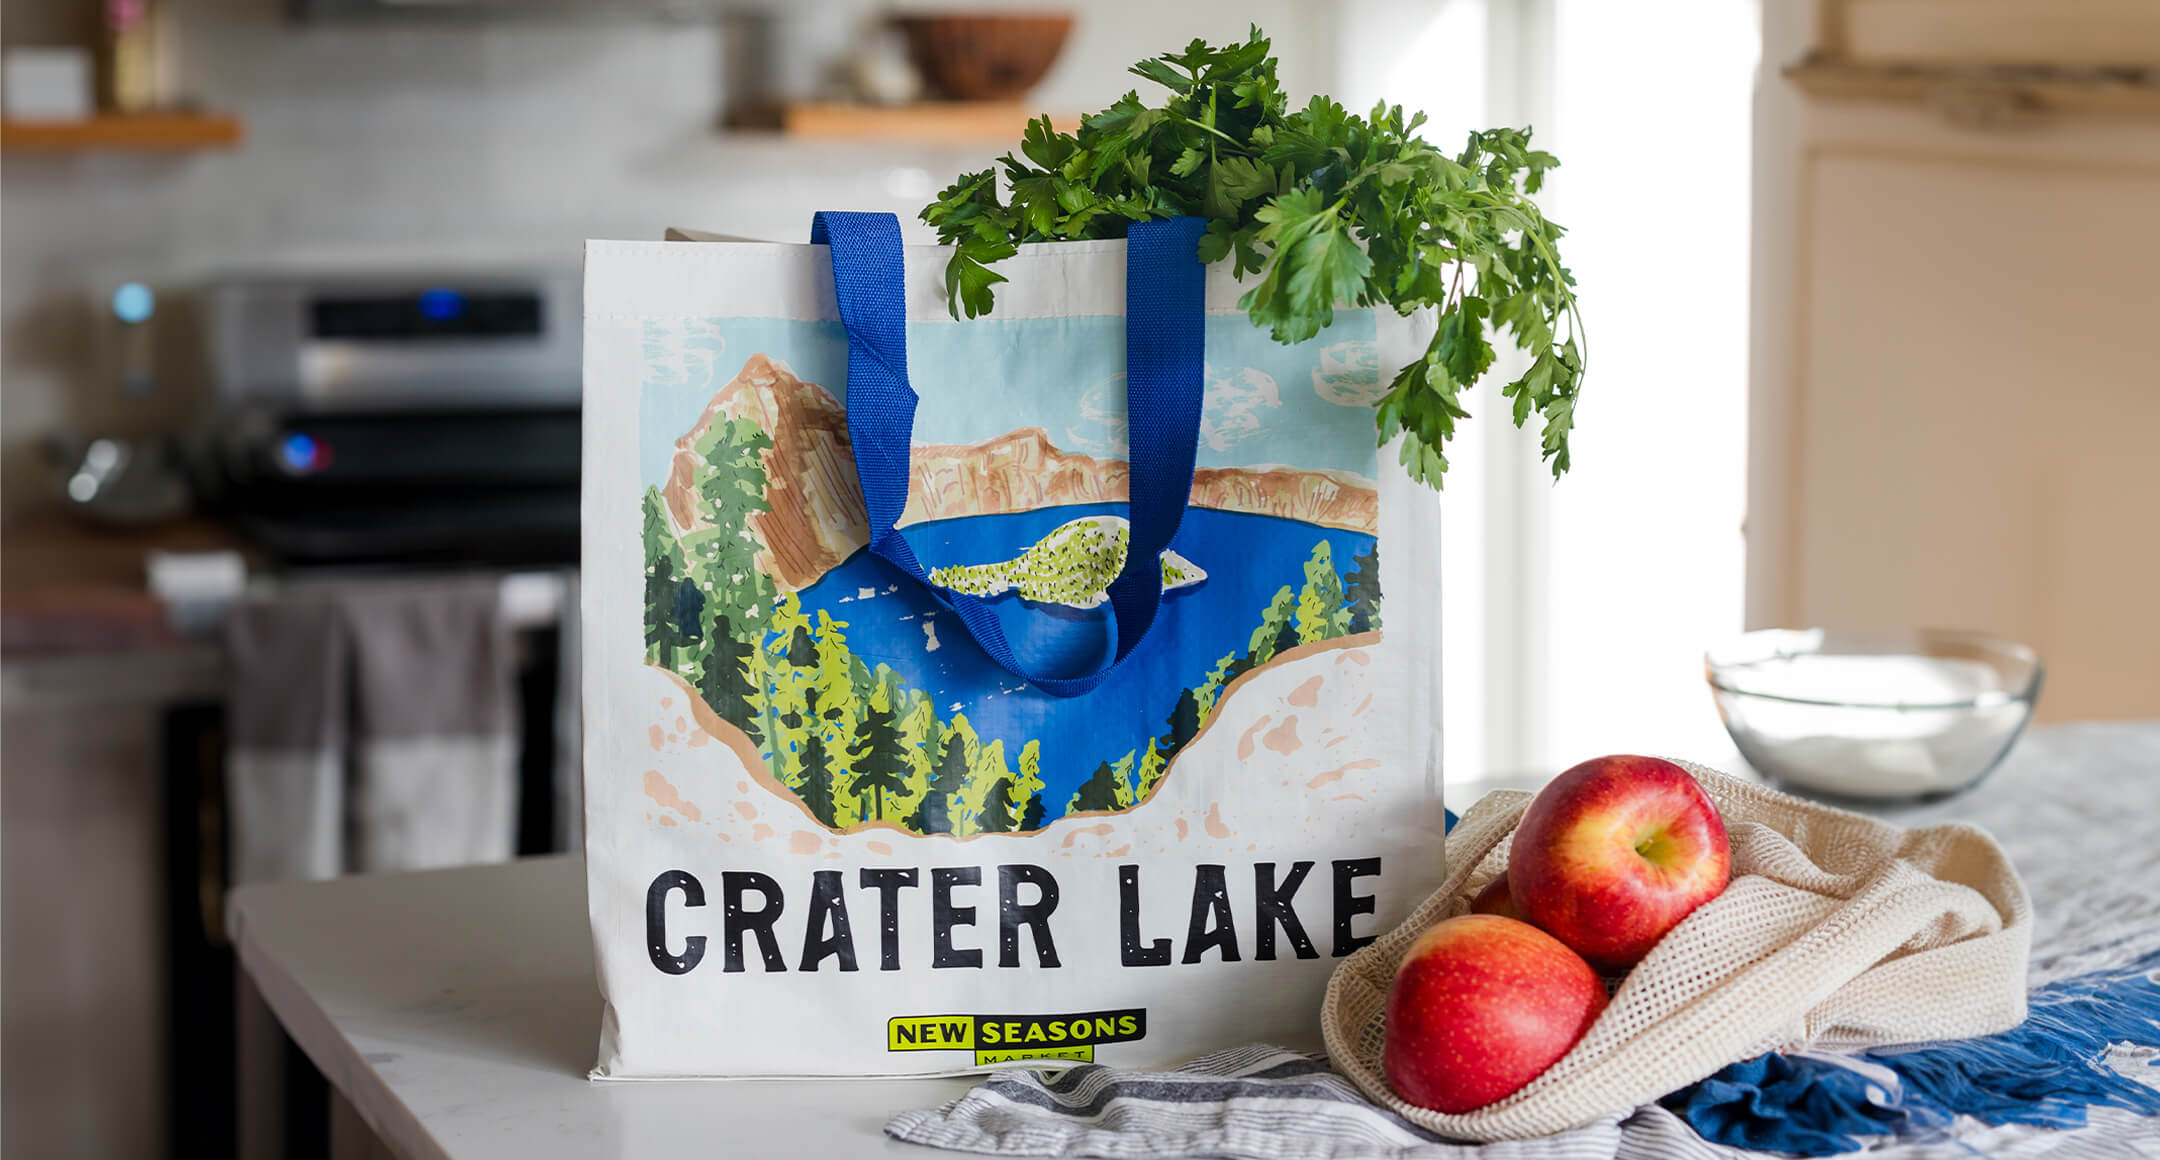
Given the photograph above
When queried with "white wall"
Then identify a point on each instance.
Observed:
(483, 141)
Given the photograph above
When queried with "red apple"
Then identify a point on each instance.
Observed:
(1614, 853)
(1494, 899)
(1480, 1006)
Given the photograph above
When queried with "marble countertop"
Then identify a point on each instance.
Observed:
(457, 1010)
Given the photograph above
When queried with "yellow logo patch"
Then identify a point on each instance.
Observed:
(1006, 1038)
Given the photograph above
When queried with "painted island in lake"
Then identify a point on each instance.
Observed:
(864, 699)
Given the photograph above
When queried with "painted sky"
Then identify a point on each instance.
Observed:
(1304, 406)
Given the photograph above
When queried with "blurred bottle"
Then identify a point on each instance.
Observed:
(132, 56)
(126, 472)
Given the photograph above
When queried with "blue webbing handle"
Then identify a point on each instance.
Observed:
(1165, 293)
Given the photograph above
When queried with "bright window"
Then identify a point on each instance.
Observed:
(1576, 614)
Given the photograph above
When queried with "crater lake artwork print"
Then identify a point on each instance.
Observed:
(856, 693)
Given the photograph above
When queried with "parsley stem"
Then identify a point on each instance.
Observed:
(1552, 262)
(1182, 119)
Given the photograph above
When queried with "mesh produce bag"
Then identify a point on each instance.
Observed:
(1838, 931)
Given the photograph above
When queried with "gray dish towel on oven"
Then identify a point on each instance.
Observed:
(405, 684)
(1252, 1103)
(285, 697)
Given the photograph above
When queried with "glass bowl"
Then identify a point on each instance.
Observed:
(1873, 717)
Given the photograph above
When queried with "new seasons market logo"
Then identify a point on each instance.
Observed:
(1006, 1038)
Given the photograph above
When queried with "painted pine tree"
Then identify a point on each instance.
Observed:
(835, 665)
(786, 759)
(1185, 718)
(839, 674)
(935, 815)
(688, 617)
(985, 771)
(790, 668)
(920, 732)
(1028, 786)
(724, 675)
(1224, 672)
(881, 767)
(721, 558)
(1098, 793)
(1122, 770)
(817, 789)
(997, 815)
(1152, 764)
(800, 647)
(1279, 612)
(839, 709)
(1320, 611)
(1362, 589)
(730, 478)
(864, 687)
(663, 573)
(757, 719)
(1286, 638)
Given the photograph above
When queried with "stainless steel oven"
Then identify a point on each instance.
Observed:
(398, 417)
(419, 419)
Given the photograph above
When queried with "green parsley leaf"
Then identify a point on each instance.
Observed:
(1325, 207)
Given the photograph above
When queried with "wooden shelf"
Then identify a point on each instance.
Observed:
(935, 123)
(144, 131)
(1969, 33)
(1984, 95)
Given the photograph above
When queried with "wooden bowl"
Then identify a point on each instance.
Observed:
(983, 56)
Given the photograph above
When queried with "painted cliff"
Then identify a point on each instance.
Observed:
(815, 518)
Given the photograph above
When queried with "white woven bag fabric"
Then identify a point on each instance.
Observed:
(1838, 931)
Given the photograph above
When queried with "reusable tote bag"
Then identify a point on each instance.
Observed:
(911, 746)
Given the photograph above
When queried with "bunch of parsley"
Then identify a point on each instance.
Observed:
(1326, 207)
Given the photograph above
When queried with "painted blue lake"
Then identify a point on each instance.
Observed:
(891, 620)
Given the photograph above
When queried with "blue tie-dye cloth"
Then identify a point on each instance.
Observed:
(2045, 1072)
(1804, 1104)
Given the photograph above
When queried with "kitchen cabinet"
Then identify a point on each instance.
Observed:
(1954, 398)
(83, 898)
(89, 686)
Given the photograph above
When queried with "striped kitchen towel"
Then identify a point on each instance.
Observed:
(1257, 1102)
